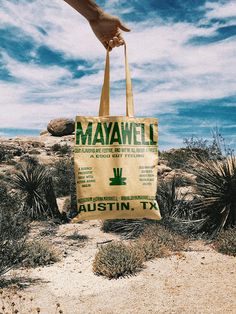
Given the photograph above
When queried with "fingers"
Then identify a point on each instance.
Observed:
(111, 43)
(106, 45)
(116, 41)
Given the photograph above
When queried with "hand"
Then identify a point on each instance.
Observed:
(107, 29)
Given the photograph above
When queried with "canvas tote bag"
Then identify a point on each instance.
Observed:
(116, 161)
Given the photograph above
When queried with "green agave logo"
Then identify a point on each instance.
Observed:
(117, 180)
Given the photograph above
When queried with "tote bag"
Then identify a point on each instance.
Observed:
(116, 161)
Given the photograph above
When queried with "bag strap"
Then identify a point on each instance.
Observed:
(105, 96)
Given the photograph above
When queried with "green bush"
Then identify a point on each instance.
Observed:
(4, 155)
(28, 159)
(7, 152)
(117, 260)
(62, 175)
(214, 149)
(61, 149)
(197, 149)
(39, 253)
(56, 147)
(13, 230)
(177, 158)
(226, 242)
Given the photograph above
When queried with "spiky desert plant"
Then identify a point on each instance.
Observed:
(35, 183)
(171, 201)
(167, 197)
(30, 180)
(216, 187)
(127, 228)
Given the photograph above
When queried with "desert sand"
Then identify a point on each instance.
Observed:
(199, 280)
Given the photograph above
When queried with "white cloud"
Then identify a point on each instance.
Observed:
(67, 30)
(221, 10)
(34, 74)
(169, 70)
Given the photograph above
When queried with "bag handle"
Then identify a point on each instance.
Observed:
(105, 96)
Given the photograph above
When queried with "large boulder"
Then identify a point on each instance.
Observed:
(61, 127)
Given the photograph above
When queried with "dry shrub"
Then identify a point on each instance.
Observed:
(159, 241)
(77, 237)
(152, 248)
(226, 242)
(39, 253)
(117, 260)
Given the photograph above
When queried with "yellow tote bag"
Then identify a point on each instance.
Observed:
(116, 161)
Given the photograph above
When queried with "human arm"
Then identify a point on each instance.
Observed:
(106, 27)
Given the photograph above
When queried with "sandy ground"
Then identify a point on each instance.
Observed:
(197, 281)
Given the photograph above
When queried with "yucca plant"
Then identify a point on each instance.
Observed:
(127, 228)
(216, 187)
(171, 201)
(30, 181)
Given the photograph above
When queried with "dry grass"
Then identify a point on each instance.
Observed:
(157, 241)
(117, 260)
(226, 242)
(40, 253)
(165, 237)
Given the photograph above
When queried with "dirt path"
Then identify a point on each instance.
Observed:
(201, 281)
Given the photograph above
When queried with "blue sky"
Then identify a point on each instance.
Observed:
(182, 55)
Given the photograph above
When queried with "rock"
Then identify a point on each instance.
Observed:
(186, 177)
(36, 144)
(61, 127)
(186, 192)
(163, 169)
(162, 162)
(44, 132)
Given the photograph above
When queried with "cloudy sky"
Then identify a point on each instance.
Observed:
(182, 56)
